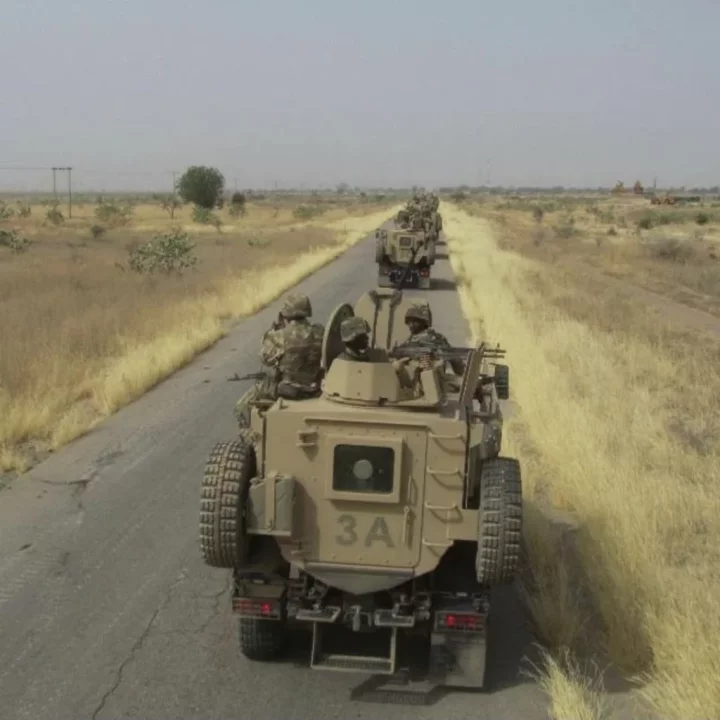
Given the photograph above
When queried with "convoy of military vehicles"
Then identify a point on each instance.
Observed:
(374, 513)
(407, 249)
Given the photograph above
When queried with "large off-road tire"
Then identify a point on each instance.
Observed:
(261, 639)
(502, 381)
(225, 485)
(500, 521)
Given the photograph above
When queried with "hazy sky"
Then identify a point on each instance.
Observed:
(397, 92)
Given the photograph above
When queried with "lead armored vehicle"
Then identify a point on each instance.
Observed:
(372, 512)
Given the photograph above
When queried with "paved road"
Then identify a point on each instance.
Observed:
(106, 609)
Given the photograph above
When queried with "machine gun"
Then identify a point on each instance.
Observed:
(422, 351)
(250, 376)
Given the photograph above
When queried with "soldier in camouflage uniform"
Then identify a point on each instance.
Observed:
(418, 318)
(355, 335)
(290, 353)
(295, 349)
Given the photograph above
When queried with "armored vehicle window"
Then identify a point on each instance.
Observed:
(363, 469)
(405, 241)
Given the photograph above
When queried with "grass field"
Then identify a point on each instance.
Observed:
(83, 335)
(618, 424)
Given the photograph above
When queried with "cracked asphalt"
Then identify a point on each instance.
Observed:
(106, 608)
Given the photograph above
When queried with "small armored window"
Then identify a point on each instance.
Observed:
(363, 469)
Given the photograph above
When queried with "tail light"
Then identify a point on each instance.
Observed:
(460, 622)
(253, 608)
(424, 272)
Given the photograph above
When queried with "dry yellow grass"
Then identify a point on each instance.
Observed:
(81, 338)
(575, 693)
(619, 424)
(674, 256)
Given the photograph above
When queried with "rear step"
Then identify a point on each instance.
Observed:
(320, 659)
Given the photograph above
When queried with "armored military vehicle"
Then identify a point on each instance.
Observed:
(374, 512)
(396, 249)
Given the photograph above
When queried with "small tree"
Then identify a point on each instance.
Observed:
(170, 205)
(237, 204)
(202, 186)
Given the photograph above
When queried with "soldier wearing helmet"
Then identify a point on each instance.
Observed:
(418, 318)
(355, 335)
(293, 350)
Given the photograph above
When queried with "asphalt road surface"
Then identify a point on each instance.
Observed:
(106, 608)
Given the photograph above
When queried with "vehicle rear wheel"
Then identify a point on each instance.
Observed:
(262, 639)
(225, 486)
(500, 521)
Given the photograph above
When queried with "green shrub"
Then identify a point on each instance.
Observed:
(97, 231)
(167, 253)
(54, 215)
(306, 212)
(11, 239)
(113, 214)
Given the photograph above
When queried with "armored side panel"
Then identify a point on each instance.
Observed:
(332, 343)
(362, 382)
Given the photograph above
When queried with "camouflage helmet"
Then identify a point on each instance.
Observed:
(352, 328)
(419, 311)
(296, 306)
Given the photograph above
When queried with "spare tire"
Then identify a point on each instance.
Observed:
(225, 487)
(499, 521)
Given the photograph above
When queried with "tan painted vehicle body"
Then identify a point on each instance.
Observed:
(364, 509)
(396, 248)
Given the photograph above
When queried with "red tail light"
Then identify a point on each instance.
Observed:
(248, 607)
(424, 272)
(460, 622)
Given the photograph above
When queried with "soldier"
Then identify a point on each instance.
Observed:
(294, 349)
(418, 318)
(355, 335)
(290, 352)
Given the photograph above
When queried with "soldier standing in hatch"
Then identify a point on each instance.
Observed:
(418, 318)
(355, 335)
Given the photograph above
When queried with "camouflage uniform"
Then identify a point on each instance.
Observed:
(428, 335)
(295, 349)
(291, 355)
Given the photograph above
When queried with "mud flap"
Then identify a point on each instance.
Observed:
(457, 659)
(329, 636)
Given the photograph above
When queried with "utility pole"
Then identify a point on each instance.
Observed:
(69, 172)
(174, 187)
